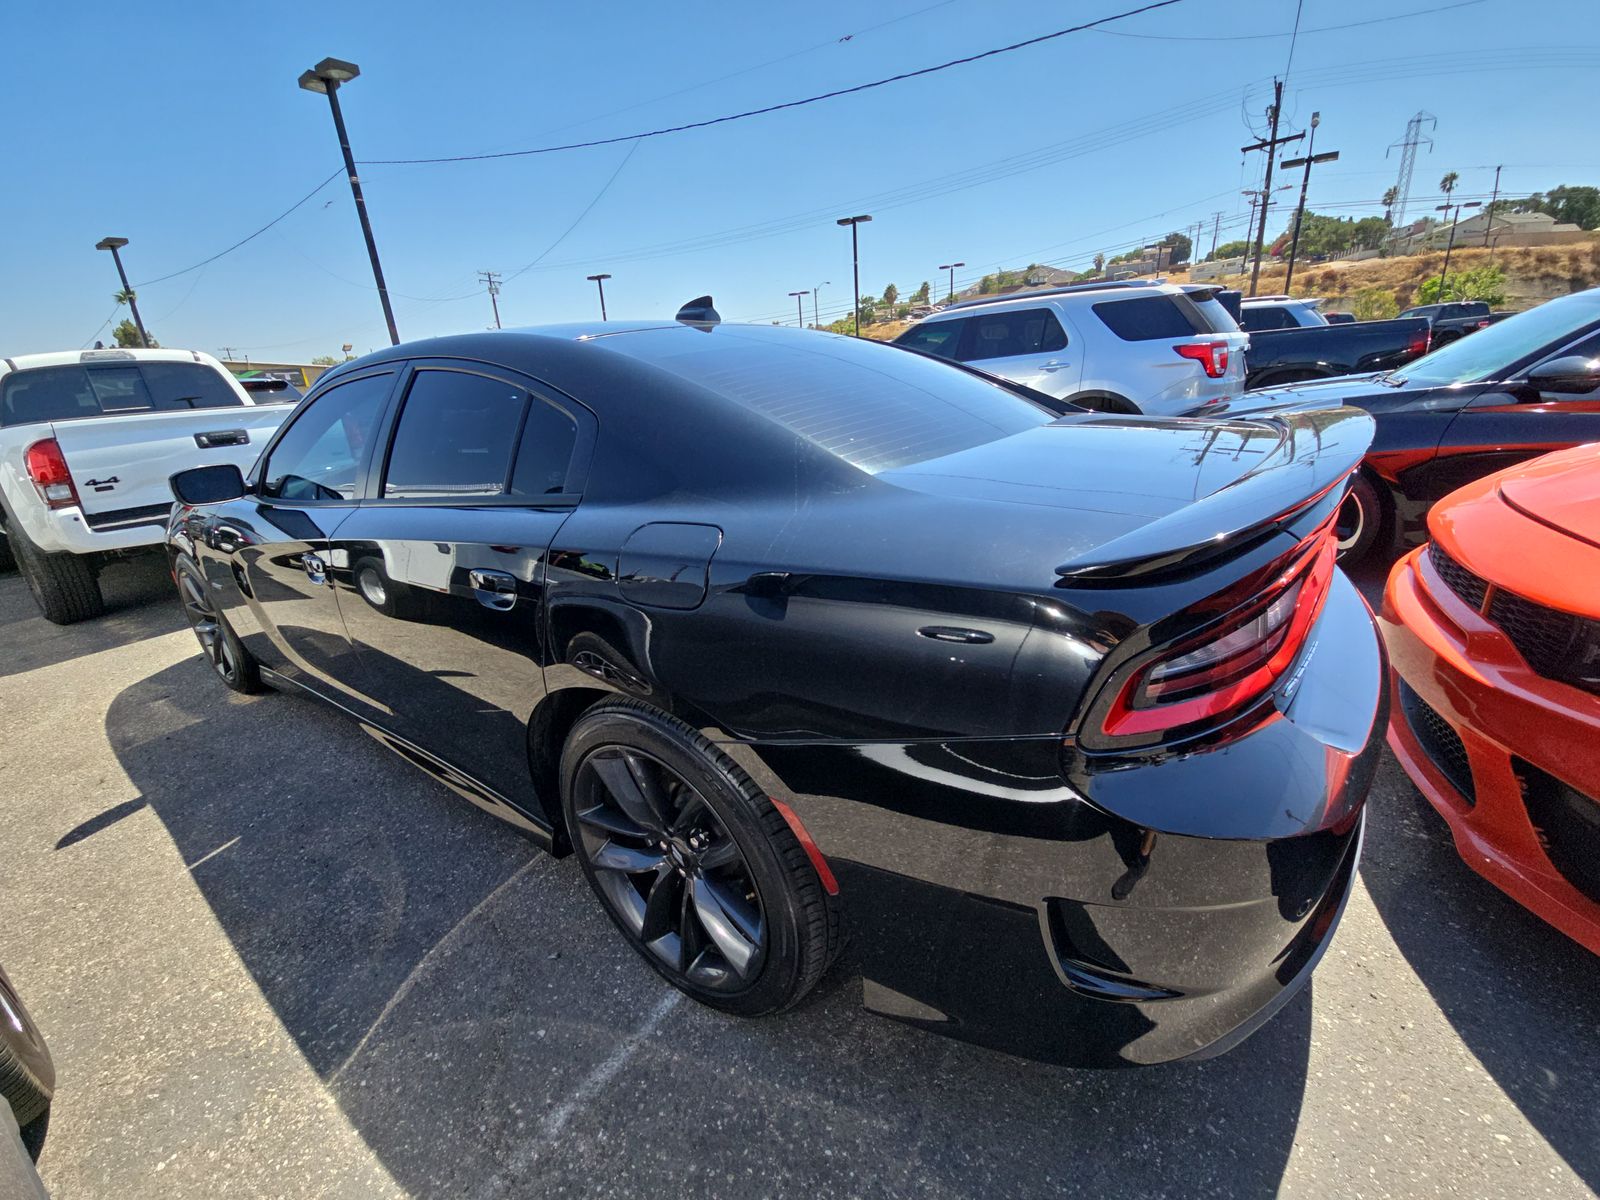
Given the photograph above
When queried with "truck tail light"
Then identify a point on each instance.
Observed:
(1418, 345)
(1227, 667)
(1213, 356)
(47, 467)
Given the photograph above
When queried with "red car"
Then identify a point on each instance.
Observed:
(1493, 631)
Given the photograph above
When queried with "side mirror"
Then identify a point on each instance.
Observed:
(208, 485)
(1570, 375)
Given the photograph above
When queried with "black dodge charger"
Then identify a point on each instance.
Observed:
(1065, 720)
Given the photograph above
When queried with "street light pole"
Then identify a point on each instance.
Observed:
(855, 265)
(114, 244)
(799, 308)
(326, 77)
(1305, 183)
(600, 282)
(951, 267)
(1444, 272)
(816, 291)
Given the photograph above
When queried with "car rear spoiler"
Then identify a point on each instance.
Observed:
(1316, 451)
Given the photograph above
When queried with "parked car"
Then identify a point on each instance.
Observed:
(785, 634)
(87, 442)
(1339, 317)
(1455, 319)
(1494, 636)
(1260, 313)
(27, 1084)
(1520, 388)
(1123, 347)
(1325, 350)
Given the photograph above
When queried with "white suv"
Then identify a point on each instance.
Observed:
(1157, 348)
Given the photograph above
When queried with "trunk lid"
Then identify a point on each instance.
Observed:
(1146, 493)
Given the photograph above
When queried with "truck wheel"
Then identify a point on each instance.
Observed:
(8, 561)
(64, 586)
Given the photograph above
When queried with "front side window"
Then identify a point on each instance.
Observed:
(455, 437)
(1008, 334)
(319, 456)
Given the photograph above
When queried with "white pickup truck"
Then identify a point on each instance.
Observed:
(88, 440)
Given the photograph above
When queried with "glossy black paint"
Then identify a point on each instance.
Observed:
(892, 653)
(1429, 441)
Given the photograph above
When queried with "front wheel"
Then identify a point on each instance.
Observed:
(1359, 525)
(234, 665)
(693, 863)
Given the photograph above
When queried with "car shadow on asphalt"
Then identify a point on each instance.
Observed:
(1519, 993)
(141, 603)
(486, 1031)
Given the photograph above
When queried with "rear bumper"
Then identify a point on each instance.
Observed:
(66, 531)
(1483, 737)
(1096, 912)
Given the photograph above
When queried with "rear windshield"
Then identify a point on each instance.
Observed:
(1149, 318)
(98, 389)
(873, 405)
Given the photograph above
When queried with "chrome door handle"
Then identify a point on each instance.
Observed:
(493, 589)
(316, 569)
(226, 539)
(1053, 365)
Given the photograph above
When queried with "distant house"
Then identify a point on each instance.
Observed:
(1508, 229)
(1216, 268)
(1409, 239)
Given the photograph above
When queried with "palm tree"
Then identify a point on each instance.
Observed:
(125, 296)
(1389, 199)
(1448, 183)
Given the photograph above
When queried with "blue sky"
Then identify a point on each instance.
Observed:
(184, 131)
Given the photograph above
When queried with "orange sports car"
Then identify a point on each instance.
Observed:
(1493, 631)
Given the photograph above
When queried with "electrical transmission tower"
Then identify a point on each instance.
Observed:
(1408, 159)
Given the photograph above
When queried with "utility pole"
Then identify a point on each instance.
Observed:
(228, 353)
(1270, 145)
(326, 77)
(1216, 228)
(799, 308)
(115, 244)
(816, 291)
(491, 280)
(1489, 224)
(1444, 272)
(1305, 183)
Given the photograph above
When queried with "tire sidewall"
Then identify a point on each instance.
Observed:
(26, 1068)
(733, 798)
(244, 679)
(1365, 494)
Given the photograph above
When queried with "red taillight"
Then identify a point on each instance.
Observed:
(1237, 660)
(47, 467)
(1213, 356)
(1418, 345)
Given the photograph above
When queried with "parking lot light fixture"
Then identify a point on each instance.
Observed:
(855, 265)
(115, 244)
(325, 79)
(600, 282)
(799, 308)
(1444, 271)
(951, 267)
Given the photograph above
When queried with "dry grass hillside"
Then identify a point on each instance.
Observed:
(1533, 275)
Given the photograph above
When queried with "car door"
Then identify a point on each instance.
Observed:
(443, 569)
(274, 541)
(1026, 345)
(1507, 423)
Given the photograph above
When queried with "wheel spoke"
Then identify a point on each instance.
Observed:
(729, 925)
(724, 852)
(692, 812)
(613, 856)
(612, 821)
(662, 906)
(691, 941)
(627, 778)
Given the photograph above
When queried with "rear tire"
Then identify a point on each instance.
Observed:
(1361, 522)
(27, 1076)
(720, 831)
(66, 587)
(8, 561)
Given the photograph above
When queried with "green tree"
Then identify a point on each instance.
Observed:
(1368, 233)
(890, 295)
(1486, 283)
(1232, 249)
(1390, 199)
(127, 335)
(1179, 249)
(1099, 263)
(324, 360)
(869, 309)
(1372, 304)
(1578, 205)
(1448, 183)
(920, 296)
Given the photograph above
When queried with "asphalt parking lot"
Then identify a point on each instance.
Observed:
(273, 960)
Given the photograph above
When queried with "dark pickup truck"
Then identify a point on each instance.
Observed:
(1277, 356)
(1455, 319)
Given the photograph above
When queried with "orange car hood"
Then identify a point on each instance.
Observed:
(1562, 490)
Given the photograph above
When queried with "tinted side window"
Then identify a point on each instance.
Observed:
(188, 385)
(319, 456)
(1254, 320)
(455, 436)
(1147, 318)
(1005, 334)
(934, 337)
(545, 452)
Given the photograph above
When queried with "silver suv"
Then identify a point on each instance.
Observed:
(1157, 348)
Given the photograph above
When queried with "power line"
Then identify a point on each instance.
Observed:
(787, 104)
(604, 188)
(1257, 37)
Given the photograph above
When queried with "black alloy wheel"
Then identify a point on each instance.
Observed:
(693, 863)
(234, 665)
(1360, 522)
(669, 868)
